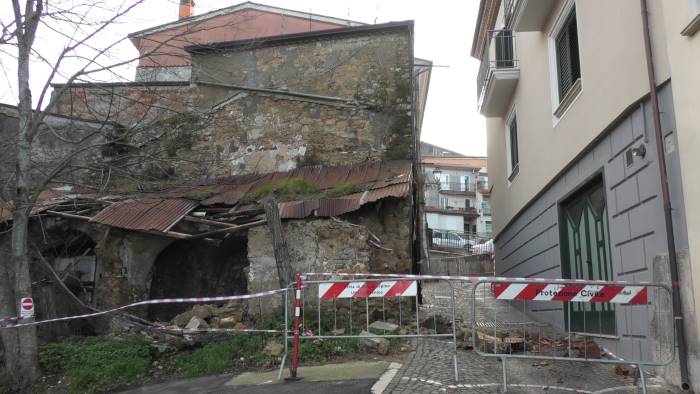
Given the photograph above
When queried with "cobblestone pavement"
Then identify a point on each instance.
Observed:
(429, 368)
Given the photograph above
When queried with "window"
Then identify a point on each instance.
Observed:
(443, 202)
(486, 208)
(567, 55)
(466, 203)
(512, 146)
(464, 183)
(488, 227)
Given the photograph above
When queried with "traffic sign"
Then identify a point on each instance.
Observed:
(26, 309)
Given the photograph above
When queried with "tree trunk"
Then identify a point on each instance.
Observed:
(282, 259)
(21, 345)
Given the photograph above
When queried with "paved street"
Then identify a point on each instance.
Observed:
(429, 367)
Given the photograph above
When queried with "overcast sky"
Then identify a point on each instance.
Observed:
(443, 33)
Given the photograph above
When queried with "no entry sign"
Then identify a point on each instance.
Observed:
(26, 308)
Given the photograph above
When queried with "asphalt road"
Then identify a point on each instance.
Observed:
(215, 384)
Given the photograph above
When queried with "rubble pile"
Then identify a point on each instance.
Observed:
(230, 315)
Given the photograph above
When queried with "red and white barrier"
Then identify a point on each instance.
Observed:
(632, 295)
(149, 302)
(347, 275)
(368, 289)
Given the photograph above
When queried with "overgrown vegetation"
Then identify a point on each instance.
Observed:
(286, 188)
(201, 193)
(344, 189)
(97, 364)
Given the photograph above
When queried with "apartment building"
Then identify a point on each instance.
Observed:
(457, 193)
(592, 117)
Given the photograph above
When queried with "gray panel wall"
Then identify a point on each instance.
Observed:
(529, 246)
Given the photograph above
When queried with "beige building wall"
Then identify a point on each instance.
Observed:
(684, 59)
(613, 75)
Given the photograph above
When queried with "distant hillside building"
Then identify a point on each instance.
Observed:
(457, 191)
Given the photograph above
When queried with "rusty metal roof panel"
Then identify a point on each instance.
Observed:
(156, 214)
(298, 209)
(337, 206)
(229, 195)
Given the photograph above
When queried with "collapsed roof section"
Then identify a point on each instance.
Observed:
(235, 202)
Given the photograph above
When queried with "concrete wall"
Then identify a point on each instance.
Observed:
(530, 246)
(613, 75)
(684, 57)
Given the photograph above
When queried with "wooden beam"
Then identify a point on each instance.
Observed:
(228, 230)
(282, 259)
(194, 219)
(68, 215)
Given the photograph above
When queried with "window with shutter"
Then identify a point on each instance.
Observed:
(567, 55)
(513, 143)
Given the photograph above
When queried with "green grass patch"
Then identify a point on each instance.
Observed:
(97, 364)
(201, 194)
(218, 357)
(291, 187)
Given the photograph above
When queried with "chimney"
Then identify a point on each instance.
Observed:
(186, 9)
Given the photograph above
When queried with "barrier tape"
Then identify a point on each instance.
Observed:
(372, 289)
(631, 295)
(211, 329)
(496, 279)
(152, 302)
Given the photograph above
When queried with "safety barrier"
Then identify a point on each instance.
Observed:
(586, 312)
(338, 306)
(260, 296)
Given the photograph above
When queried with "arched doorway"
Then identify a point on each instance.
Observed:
(198, 269)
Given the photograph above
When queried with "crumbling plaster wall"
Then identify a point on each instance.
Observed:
(125, 261)
(328, 245)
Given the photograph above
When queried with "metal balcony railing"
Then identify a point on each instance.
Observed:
(499, 53)
(470, 242)
(456, 187)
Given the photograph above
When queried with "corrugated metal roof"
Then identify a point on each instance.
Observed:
(161, 211)
(156, 214)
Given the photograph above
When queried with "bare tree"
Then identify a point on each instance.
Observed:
(93, 154)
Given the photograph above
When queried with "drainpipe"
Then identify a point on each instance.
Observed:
(677, 310)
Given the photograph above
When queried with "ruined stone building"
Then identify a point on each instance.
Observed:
(323, 115)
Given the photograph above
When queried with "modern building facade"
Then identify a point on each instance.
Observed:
(579, 178)
(457, 194)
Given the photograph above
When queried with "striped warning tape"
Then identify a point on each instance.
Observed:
(152, 302)
(495, 279)
(367, 289)
(633, 295)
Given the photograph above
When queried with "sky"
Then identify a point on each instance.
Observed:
(443, 34)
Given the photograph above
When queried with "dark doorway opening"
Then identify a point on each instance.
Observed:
(585, 252)
(198, 269)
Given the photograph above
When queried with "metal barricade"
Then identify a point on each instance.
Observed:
(259, 317)
(371, 308)
(569, 320)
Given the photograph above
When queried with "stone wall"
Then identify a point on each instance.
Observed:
(330, 101)
(328, 245)
(130, 104)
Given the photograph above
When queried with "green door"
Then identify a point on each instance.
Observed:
(586, 255)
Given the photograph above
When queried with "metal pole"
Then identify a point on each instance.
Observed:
(286, 333)
(417, 317)
(641, 377)
(367, 313)
(319, 315)
(505, 379)
(297, 314)
(454, 333)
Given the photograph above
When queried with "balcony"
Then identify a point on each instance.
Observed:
(457, 188)
(437, 205)
(498, 74)
(527, 15)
